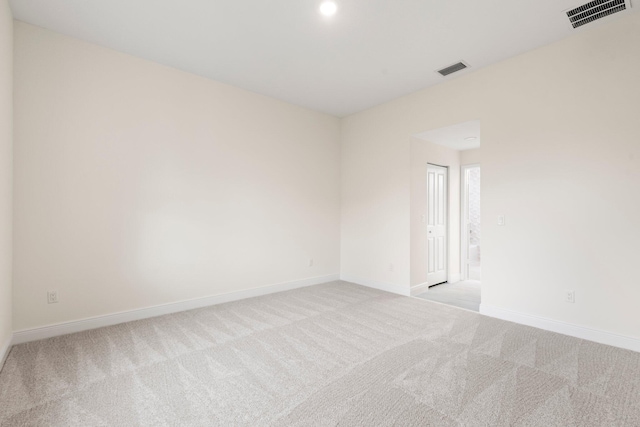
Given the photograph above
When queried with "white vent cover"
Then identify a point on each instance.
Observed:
(595, 10)
(453, 68)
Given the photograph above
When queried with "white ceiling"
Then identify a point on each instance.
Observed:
(370, 52)
(461, 136)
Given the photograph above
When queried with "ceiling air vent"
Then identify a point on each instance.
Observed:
(595, 10)
(453, 68)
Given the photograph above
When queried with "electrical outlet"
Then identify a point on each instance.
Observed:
(570, 296)
(391, 268)
(310, 262)
(501, 221)
(52, 297)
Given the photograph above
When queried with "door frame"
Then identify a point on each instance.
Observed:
(448, 218)
(464, 232)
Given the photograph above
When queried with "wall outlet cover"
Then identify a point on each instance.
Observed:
(570, 296)
(52, 297)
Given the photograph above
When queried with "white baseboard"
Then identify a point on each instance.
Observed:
(4, 350)
(388, 287)
(65, 328)
(418, 289)
(562, 327)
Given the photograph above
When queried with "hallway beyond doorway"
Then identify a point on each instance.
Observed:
(465, 294)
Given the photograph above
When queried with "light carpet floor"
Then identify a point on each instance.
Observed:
(465, 294)
(333, 354)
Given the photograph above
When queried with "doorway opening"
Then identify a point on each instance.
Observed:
(471, 226)
(445, 215)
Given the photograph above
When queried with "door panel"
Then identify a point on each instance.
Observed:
(437, 214)
(431, 250)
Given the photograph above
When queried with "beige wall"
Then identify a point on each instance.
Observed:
(470, 157)
(6, 162)
(423, 153)
(138, 185)
(560, 158)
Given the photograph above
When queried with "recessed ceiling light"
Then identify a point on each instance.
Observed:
(328, 8)
(471, 138)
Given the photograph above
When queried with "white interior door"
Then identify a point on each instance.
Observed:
(437, 213)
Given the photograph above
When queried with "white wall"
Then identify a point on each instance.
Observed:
(560, 158)
(423, 153)
(6, 142)
(138, 184)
